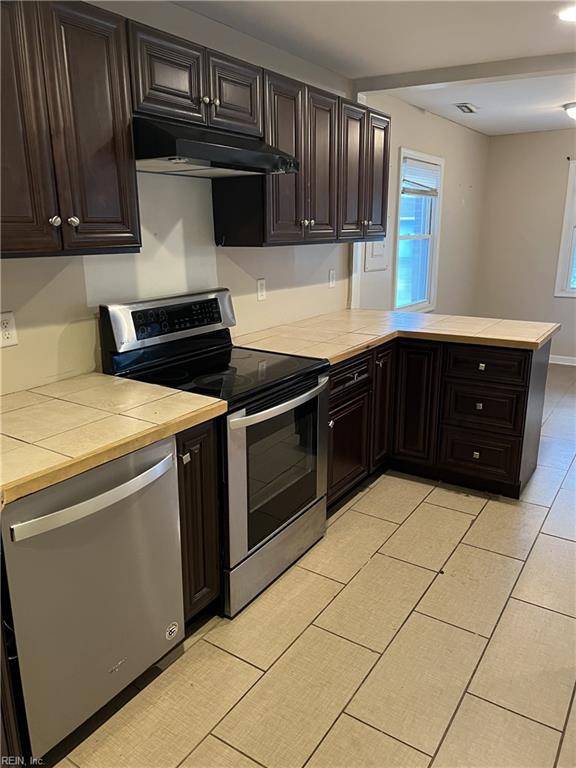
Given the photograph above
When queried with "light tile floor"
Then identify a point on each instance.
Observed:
(431, 627)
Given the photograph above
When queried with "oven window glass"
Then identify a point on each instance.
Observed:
(282, 469)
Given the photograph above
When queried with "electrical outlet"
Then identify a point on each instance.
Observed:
(8, 335)
(261, 288)
(332, 278)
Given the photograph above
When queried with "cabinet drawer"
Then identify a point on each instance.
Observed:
(488, 407)
(349, 374)
(506, 366)
(481, 455)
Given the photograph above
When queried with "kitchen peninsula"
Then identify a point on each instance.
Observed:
(446, 397)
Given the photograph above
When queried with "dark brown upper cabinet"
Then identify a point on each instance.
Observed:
(377, 167)
(364, 167)
(235, 94)
(86, 64)
(321, 171)
(82, 157)
(285, 129)
(177, 79)
(30, 213)
(168, 75)
(353, 119)
(292, 208)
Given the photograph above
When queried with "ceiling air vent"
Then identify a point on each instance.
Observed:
(468, 109)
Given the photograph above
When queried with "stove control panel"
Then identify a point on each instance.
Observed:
(160, 321)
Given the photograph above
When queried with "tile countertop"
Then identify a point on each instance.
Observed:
(62, 429)
(342, 335)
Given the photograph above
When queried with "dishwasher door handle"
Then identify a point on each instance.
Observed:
(39, 525)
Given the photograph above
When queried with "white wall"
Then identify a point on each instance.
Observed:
(465, 153)
(523, 212)
(55, 299)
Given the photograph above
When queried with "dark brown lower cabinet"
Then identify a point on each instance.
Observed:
(417, 392)
(348, 440)
(382, 405)
(14, 742)
(385, 405)
(199, 516)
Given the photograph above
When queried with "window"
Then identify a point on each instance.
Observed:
(418, 230)
(566, 272)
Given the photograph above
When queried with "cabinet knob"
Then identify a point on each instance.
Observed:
(304, 222)
(216, 102)
(370, 223)
(74, 221)
(481, 366)
(479, 406)
(55, 221)
(331, 424)
(185, 458)
(475, 454)
(312, 222)
(379, 363)
(205, 99)
(365, 222)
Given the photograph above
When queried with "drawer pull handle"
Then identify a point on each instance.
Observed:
(479, 406)
(475, 454)
(481, 366)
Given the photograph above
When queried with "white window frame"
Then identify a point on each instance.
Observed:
(562, 288)
(430, 304)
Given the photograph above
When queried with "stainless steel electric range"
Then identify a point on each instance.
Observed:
(275, 437)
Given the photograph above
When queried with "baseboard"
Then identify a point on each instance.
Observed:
(562, 360)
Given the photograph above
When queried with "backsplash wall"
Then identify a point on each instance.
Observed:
(55, 299)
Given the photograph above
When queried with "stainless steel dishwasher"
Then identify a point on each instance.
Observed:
(95, 579)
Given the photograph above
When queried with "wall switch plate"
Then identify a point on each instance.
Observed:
(332, 278)
(261, 288)
(8, 335)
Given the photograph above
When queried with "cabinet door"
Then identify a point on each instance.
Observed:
(13, 724)
(417, 392)
(167, 75)
(236, 95)
(86, 64)
(28, 184)
(285, 103)
(383, 393)
(199, 523)
(348, 442)
(352, 182)
(321, 166)
(377, 165)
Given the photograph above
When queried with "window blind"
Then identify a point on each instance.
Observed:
(420, 177)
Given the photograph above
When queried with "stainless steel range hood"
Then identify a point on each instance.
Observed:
(164, 146)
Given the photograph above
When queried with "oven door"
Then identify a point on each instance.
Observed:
(276, 467)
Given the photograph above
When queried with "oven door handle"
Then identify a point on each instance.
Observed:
(241, 422)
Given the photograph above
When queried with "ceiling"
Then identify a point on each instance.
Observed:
(358, 39)
(504, 106)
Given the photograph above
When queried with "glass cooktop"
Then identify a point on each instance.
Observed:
(234, 373)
